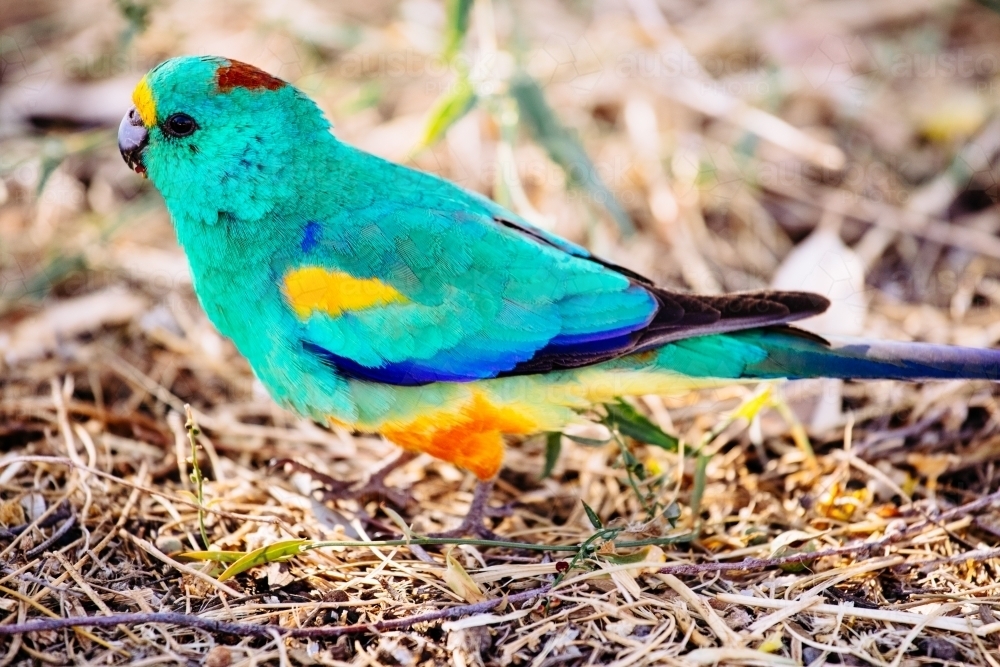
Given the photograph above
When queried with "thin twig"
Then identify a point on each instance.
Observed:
(191, 427)
(62, 511)
(253, 630)
(865, 547)
(500, 544)
(62, 460)
(55, 537)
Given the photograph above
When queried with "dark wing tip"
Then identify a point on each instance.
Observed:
(806, 303)
(779, 305)
(723, 313)
(678, 315)
(749, 305)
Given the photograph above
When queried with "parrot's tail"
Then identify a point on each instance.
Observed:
(791, 353)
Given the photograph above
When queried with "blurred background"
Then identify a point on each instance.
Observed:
(849, 148)
(845, 147)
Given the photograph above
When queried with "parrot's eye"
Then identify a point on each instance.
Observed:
(180, 125)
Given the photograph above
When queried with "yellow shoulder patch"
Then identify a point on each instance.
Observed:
(142, 97)
(312, 288)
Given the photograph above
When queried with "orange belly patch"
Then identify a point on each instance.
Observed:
(470, 438)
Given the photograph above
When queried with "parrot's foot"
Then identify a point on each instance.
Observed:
(473, 524)
(374, 488)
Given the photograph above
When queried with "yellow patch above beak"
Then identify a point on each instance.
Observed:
(142, 97)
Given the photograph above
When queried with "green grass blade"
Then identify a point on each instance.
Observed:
(595, 520)
(271, 553)
(456, 25)
(553, 447)
(630, 422)
(215, 556)
(563, 147)
(587, 442)
(448, 110)
(698, 486)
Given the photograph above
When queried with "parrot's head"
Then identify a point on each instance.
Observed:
(218, 136)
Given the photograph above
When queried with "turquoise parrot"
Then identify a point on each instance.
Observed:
(367, 294)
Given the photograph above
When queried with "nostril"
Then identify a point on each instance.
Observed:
(133, 117)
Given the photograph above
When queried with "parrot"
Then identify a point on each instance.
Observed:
(386, 300)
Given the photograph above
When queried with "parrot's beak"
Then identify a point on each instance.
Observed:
(132, 140)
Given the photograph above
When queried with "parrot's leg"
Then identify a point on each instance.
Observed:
(471, 438)
(472, 524)
(377, 478)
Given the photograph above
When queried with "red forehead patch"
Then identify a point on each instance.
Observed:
(242, 75)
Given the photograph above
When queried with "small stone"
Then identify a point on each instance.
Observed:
(337, 596)
(219, 656)
(169, 544)
(938, 647)
(11, 513)
(737, 618)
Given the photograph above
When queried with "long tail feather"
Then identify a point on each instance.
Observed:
(795, 354)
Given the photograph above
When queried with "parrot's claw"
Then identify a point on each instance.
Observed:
(501, 512)
(468, 529)
(374, 488)
(473, 524)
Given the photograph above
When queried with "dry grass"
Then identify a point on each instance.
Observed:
(856, 118)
